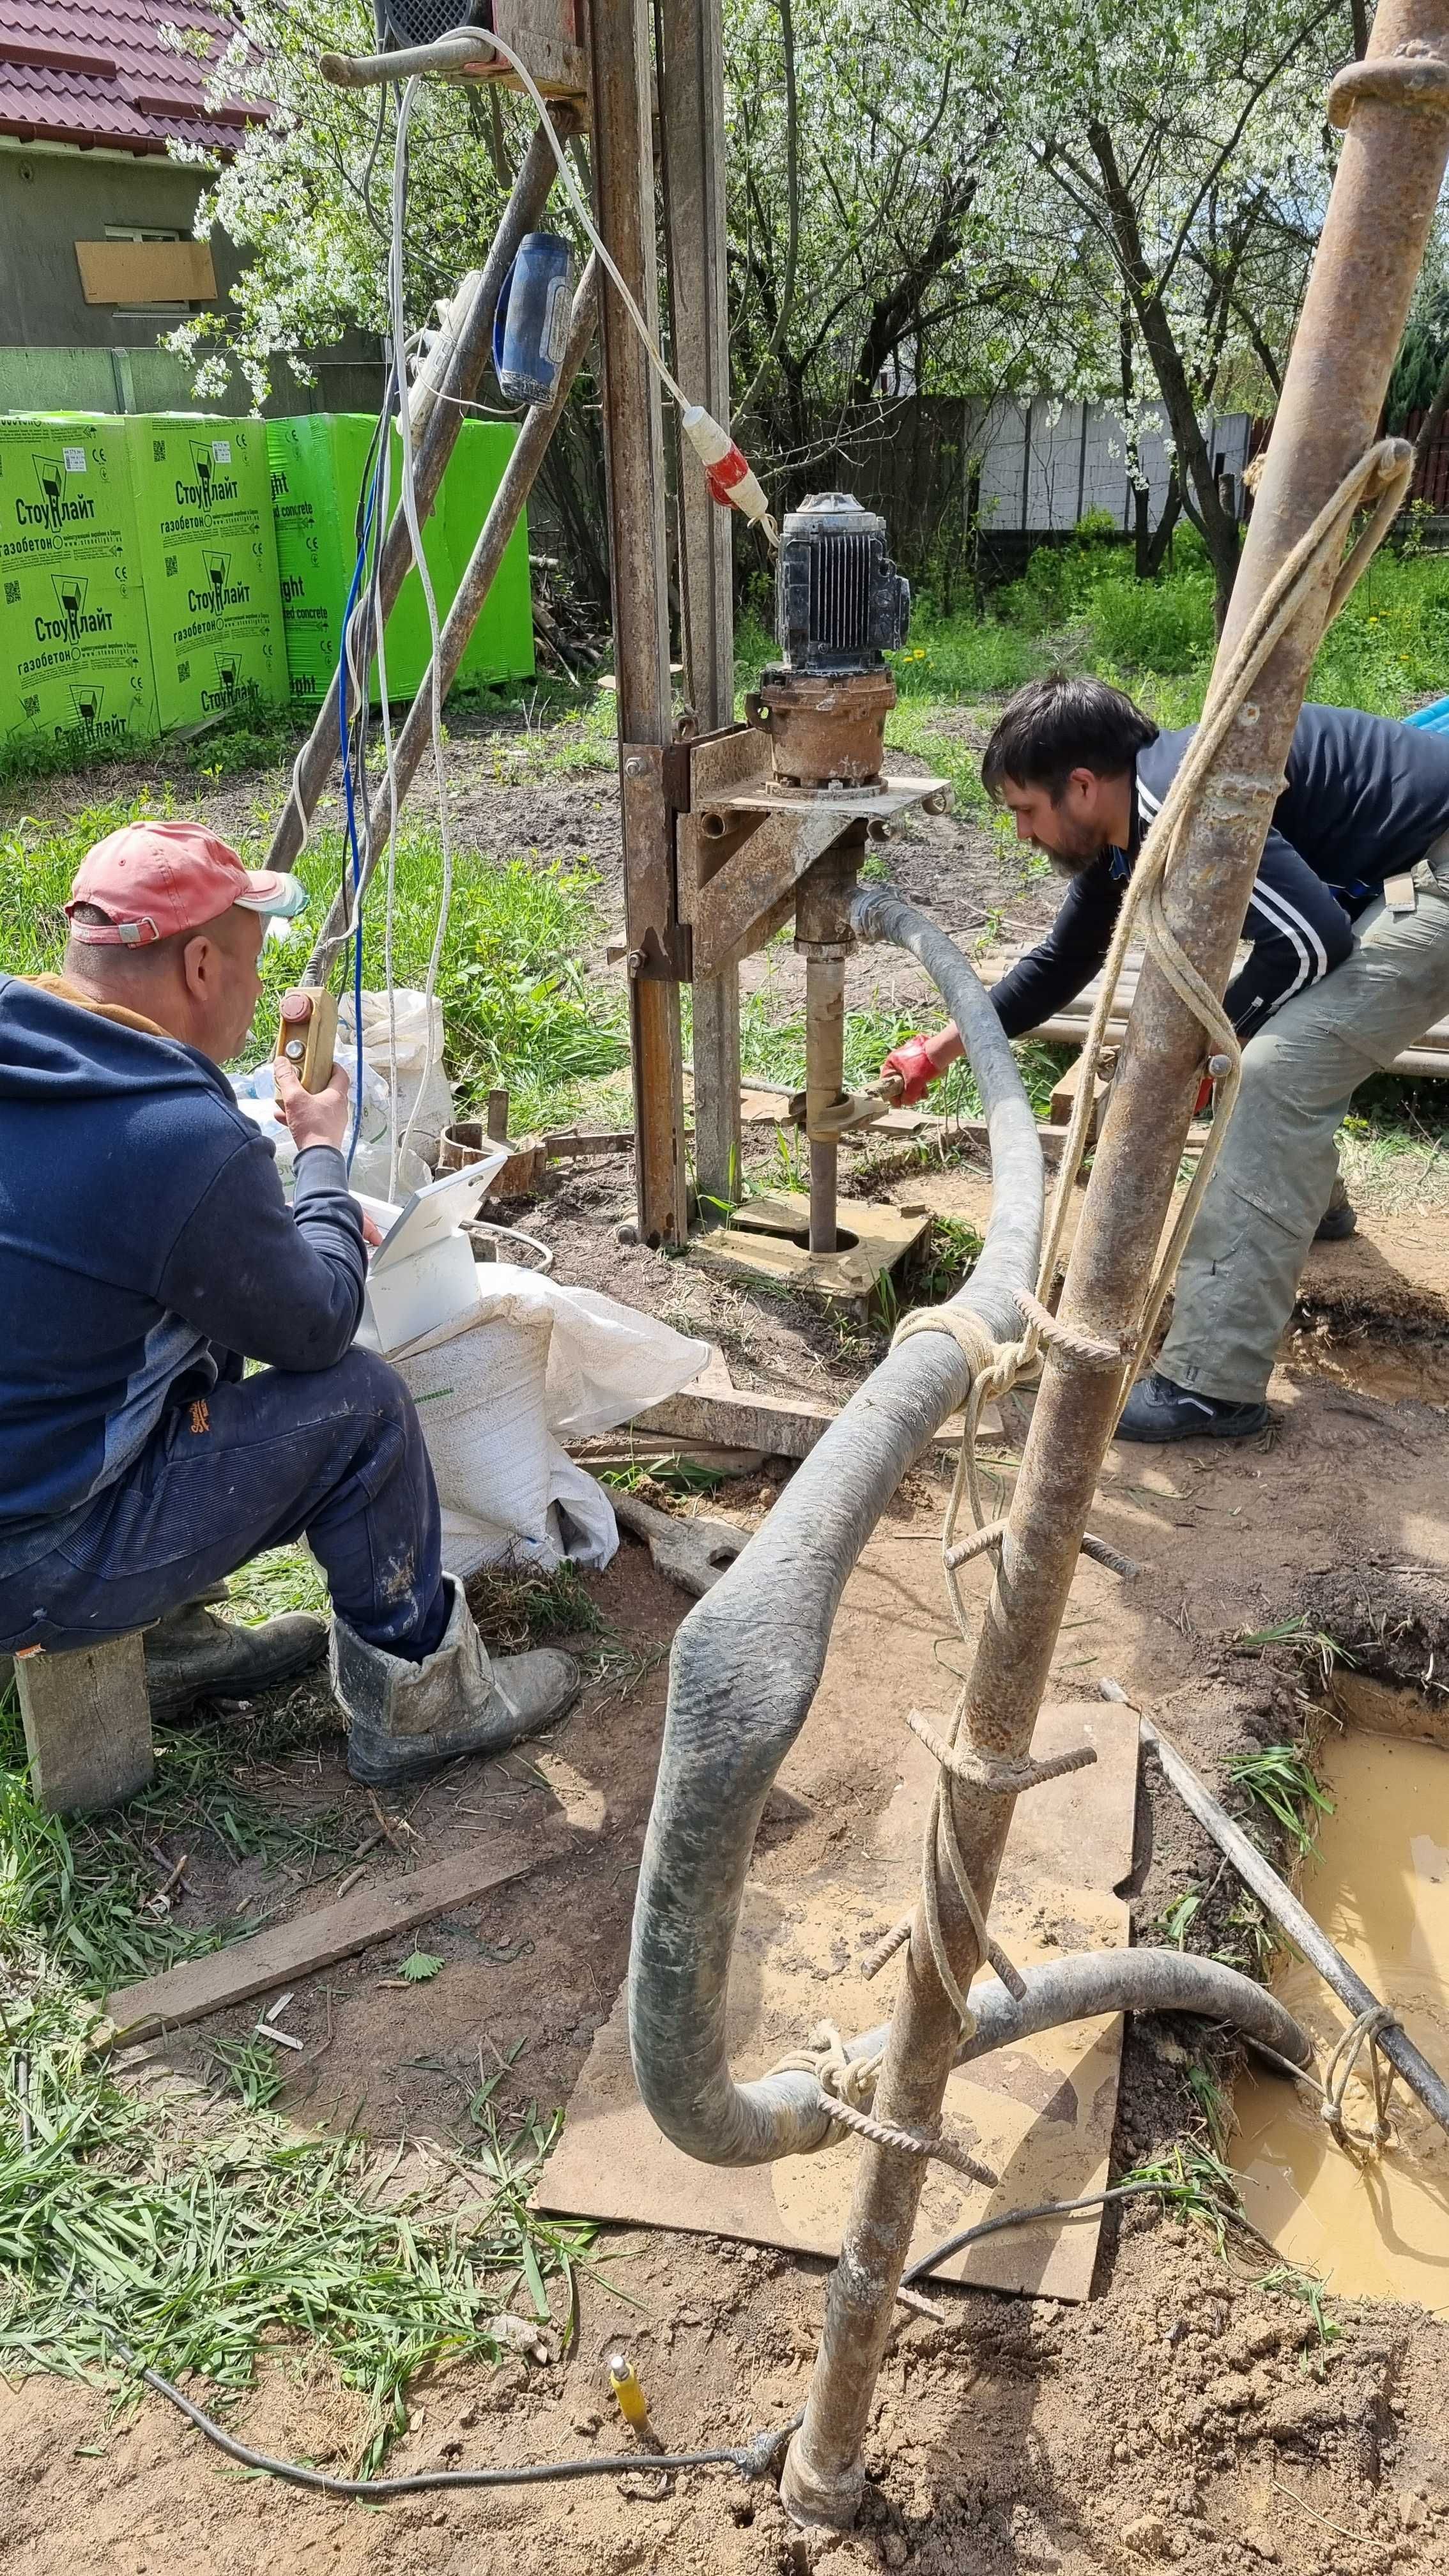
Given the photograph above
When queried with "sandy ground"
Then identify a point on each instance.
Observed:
(1184, 2415)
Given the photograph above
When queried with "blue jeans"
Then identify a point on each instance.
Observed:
(337, 1453)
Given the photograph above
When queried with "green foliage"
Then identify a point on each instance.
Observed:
(420, 1967)
(1178, 1917)
(1281, 1779)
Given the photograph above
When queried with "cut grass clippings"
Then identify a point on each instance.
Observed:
(204, 2254)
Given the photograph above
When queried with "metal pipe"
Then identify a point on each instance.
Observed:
(471, 350)
(747, 1661)
(1383, 201)
(1298, 1923)
(470, 598)
(824, 1081)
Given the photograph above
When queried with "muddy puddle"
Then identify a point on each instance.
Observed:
(1374, 2225)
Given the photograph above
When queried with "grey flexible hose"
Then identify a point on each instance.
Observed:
(1087, 1982)
(747, 1661)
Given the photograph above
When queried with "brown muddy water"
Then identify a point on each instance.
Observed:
(1373, 2224)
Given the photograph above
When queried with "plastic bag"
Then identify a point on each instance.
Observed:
(395, 1038)
(606, 1362)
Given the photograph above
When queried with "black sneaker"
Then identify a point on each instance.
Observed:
(1339, 1219)
(1158, 1410)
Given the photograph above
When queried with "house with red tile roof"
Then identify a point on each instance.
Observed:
(97, 259)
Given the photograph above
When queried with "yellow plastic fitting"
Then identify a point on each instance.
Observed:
(633, 2405)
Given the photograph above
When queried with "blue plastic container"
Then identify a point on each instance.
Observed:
(1432, 719)
(531, 324)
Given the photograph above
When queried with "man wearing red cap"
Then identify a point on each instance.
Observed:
(146, 1254)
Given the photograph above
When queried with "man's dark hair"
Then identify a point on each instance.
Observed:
(1054, 726)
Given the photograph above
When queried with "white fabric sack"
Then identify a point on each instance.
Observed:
(606, 1362)
(478, 1384)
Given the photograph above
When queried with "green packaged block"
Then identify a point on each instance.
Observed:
(501, 644)
(75, 659)
(209, 564)
(318, 465)
(65, 493)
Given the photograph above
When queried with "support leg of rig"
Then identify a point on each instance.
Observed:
(824, 1076)
(1385, 191)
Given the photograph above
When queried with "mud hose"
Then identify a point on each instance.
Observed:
(747, 1660)
(1089, 1982)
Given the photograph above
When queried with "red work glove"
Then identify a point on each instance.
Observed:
(919, 1062)
(1204, 1096)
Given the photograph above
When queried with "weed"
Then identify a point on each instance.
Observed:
(1282, 1780)
(1178, 1917)
(677, 1475)
(205, 2253)
(1305, 1641)
(1199, 2186)
(1212, 2101)
(513, 1610)
(284, 1578)
(950, 1251)
(1295, 2283)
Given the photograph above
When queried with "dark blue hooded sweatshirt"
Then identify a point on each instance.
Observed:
(146, 1249)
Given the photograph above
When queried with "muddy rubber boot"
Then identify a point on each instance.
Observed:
(406, 1719)
(1339, 1219)
(192, 1655)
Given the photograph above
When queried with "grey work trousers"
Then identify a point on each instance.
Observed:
(1239, 1274)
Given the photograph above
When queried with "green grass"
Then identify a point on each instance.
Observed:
(517, 1006)
(207, 2253)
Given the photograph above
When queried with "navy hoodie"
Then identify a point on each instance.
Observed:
(1363, 799)
(145, 1250)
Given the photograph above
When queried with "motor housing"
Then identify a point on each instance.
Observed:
(840, 602)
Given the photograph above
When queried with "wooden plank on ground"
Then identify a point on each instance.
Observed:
(780, 1425)
(87, 1725)
(199, 1987)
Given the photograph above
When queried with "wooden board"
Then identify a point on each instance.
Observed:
(146, 272)
(199, 1987)
(87, 1725)
(1042, 2114)
(769, 1239)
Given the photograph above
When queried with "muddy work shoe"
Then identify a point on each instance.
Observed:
(1156, 1409)
(406, 1719)
(192, 1655)
(1339, 1219)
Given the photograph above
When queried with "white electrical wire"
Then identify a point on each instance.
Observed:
(398, 323)
(384, 504)
(579, 203)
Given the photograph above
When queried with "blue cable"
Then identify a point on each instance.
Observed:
(349, 798)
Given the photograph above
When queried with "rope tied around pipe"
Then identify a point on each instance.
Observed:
(846, 2085)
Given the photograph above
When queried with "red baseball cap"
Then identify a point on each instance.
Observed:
(154, 879)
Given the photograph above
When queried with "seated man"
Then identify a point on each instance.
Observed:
(1353, 887)
(147, 1252)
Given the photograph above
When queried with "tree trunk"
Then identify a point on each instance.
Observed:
(1194, 464)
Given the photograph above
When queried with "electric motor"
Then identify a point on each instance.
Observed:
(421, 22)
(840, 602)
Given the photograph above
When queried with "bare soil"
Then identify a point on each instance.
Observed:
(1184, 2415)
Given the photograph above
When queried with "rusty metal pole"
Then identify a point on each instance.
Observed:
(620, 57)
(469, 600)
(1383, 201)
(693, 170)
(824, 1081)
(460, 383)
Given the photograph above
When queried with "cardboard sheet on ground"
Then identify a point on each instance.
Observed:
(1041, 2115)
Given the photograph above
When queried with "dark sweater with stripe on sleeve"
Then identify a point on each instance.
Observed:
(1363, 799)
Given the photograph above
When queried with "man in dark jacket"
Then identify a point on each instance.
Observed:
(146, 1253)
(1348, 964)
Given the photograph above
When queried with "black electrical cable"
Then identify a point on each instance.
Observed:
(752, 2459)
(1023, 2218)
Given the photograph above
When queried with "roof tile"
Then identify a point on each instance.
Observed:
(94, 72)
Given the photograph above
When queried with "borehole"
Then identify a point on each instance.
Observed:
(1373, 2223)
